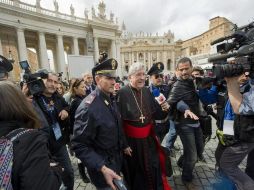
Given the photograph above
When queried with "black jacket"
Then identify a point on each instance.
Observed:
(75, 102)
(31, 168)
(184, 90)
(46, 121)
(98, 135)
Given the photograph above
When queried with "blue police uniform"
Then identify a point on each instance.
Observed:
(98, 135)
(162, 117)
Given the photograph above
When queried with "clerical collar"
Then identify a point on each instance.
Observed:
(133, 88)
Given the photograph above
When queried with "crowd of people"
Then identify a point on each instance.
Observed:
(123, 133)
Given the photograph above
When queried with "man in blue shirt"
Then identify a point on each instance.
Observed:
(243, 106)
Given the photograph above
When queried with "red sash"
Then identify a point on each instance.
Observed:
(143, 132)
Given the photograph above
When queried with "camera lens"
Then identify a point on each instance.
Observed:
(228, 70)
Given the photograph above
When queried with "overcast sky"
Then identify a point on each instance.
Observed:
(185, 18)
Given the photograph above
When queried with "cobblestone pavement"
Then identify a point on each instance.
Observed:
(204, 173)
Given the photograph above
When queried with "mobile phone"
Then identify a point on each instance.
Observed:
(119, 184)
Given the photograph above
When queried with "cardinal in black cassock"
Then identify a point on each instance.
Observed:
(145, 169)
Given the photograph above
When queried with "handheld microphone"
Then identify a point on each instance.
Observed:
(159, 97)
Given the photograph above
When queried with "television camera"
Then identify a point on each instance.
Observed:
(239, 45)
(33, 80)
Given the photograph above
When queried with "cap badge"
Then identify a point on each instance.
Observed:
(113, 63)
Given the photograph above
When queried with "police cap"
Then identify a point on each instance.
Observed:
(106, 68)
(157, 68)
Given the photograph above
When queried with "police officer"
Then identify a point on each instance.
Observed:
(98, 131)
(156, 77)
(5, 67)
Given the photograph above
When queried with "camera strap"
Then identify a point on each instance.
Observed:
(50, 109)
(55, 125)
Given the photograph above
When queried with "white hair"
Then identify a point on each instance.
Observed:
(85, 74)
(135, 67)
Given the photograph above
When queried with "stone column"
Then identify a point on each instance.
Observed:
(75, 50)
(116, 52)
(113, 49)
(96, 49)
(61, 67)
(1, 47)
(165, 61)
(149, 59)
(158, 57)
(122, 59)
(44, 62)
(132, 57)
(21, 45)
(144, 60)
(173, 61)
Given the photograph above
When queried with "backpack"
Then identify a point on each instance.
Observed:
(6, 157)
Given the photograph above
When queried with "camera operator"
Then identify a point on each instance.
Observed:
(53, 113)
(243, 130)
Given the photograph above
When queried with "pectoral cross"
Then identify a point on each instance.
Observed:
(142, 118)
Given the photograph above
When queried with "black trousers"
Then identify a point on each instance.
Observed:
(61, 156)
(250, 165)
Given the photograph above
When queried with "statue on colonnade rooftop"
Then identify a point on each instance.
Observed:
(86, 13)
(72, 10)
(38, 3)
(56, 6)
(102, 9)
(112, 16)
(93, 12)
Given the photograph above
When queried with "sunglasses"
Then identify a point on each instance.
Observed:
(159, 76)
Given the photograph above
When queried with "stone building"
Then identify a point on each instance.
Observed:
(25, 27)
(148, 49)
(198, 48)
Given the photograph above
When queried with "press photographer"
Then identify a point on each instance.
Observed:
(53, 113)
(242, 129)
(33, 81)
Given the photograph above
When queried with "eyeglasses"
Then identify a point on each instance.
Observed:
(158, 76)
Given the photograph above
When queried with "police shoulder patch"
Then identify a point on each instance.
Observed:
(89, 99)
